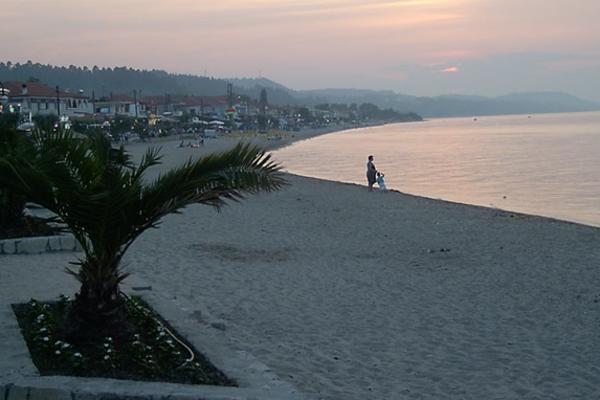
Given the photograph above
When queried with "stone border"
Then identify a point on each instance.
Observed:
(38, 245)
(20, 380)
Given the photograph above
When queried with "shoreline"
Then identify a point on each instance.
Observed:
(515, 214)
(415, 164)
(269, 141)
(225, 142)
(312, 133)
(222, 143)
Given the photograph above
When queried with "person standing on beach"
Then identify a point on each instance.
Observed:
(371, 173)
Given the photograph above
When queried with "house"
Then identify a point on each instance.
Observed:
(247, 109)
(204, 105)
(38, 99)
(194, 105)
(120, 105)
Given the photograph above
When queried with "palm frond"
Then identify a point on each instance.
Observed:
(104, 200)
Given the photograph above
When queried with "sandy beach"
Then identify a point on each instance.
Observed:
(355, 295)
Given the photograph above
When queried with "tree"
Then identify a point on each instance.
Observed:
(102, 197)
(305, 114)
(46, 123)
(262, 117)
(121, 124)
(263, 102)
(14, 144)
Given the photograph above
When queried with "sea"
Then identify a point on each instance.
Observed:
(542, 164)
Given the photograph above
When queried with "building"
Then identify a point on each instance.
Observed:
(194, 105)
(35, 98)
(204, 105)
(120, 105)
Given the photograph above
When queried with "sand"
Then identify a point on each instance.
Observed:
(355, 295)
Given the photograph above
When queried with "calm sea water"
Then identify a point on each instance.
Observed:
(541, 164)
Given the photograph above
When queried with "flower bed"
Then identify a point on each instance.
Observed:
(152, 352)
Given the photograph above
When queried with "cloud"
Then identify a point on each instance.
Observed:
(450, 70)
(500, 74)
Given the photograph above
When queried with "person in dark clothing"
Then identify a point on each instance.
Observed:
(371, 173)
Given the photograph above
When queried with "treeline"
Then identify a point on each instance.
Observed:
(123, 80)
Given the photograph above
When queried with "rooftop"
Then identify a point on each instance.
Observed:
(36, 89)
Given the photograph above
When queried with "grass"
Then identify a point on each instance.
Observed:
(150, 353)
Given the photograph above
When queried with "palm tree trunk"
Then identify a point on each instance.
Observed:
(98, 310)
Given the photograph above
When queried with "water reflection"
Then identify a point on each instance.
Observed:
(547, 165)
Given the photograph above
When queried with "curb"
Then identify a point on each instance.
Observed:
(62, 388)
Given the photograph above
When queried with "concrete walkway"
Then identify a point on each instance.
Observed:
(42, 276)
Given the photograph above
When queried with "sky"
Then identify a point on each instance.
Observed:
(418, 47)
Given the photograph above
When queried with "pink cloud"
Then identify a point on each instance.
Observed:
(450, 70)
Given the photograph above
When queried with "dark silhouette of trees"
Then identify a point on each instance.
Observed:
(123, 80)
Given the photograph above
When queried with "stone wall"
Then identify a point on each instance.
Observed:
(40, 244)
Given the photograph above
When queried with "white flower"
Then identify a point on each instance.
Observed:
(161, 334)
(66, 345)
(46, 339)
(108, 351)
(108, 339)
(106, 345)
(57, 343)
(40, 317)
(106, 357)
(57, 352)
(169, 341)
(44, 329)
(78, 355)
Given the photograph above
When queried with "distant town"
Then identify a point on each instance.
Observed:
(133, 115)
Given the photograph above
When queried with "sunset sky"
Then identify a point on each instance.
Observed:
(421, 47)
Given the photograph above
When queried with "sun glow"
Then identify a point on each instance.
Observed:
(450, 70)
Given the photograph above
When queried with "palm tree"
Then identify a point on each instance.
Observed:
(17, 145)
(103, 198)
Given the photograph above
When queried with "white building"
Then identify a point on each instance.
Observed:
(120, 105)
(39, 99)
